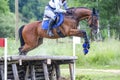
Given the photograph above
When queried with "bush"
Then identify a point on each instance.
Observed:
(7, 25)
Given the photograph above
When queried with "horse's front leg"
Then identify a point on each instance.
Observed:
(81, 33)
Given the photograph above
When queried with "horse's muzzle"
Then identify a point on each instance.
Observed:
(94, 30)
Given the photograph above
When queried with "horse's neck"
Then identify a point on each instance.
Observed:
(69, 16)
(79, 14)
(70, 19)
(77, 19)
(82, 14)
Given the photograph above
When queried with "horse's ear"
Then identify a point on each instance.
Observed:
(94, 11)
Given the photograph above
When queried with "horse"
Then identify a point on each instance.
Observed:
(31, 35)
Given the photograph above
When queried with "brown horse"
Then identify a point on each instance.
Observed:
(32, 34)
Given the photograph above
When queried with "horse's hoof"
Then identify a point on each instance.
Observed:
(85, 51)
(86, 45)
(22, 53)
(19, 49)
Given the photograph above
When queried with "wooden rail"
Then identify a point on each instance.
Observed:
(36, 67)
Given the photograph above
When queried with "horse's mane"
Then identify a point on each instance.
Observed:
(77, 8)
(74, 8)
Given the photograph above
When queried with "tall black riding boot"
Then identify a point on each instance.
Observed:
(49, 31)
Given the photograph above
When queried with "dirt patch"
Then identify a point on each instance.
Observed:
(102, 70)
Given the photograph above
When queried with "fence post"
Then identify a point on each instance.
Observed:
(45, 69)
(15, 72)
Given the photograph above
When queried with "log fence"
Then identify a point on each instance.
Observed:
(36, 67)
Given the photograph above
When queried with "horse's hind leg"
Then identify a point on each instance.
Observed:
(40, 41)
(28, 47)
(23, 50)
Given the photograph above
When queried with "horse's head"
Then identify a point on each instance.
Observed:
(93, 21)
(82, 13)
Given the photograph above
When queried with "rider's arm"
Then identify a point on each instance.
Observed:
(58, 7)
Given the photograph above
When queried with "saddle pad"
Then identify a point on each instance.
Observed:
(45, 23)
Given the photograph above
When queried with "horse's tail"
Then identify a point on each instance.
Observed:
(20, 35)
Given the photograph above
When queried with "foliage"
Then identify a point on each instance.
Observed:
(4, 8)
(6, 20)
(109, 12)
(29, 9)
(7, 25)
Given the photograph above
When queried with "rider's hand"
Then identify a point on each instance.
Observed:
(60, 11)
(68, 11)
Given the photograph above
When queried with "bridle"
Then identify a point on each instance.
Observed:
(93, 17)
(93, 21)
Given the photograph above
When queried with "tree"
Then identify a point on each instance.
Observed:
(7, 25)
(109, 11)
(4, 8)
(6, 20)
(30, 9)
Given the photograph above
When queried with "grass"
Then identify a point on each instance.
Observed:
(97, 76)
(49, 47)
(101, 54)
(93, 75)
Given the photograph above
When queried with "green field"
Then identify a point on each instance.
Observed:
(102, 55)
(94, 74)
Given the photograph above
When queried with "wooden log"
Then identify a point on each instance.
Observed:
(57, 66)
(1, 63)
(27, 73)
(41, 70)
(46, 75)
(32, 72)
(40, 78)
(10, 77)
(12, 62)
(2, 72)
(1, 58)
(11, 72)
(15, 72)
(29, 58)
(71, 68)
(53, 74)
(39, 74)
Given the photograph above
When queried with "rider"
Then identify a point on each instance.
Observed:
(50, 10)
